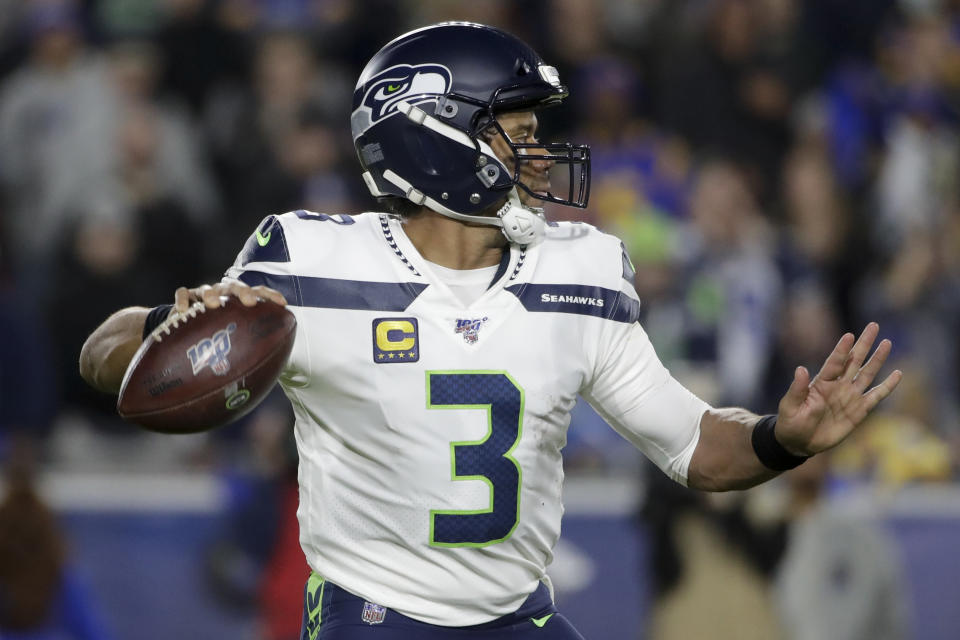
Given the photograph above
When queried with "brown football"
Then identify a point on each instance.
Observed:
(208, 367)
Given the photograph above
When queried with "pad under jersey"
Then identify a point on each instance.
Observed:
(430, 432)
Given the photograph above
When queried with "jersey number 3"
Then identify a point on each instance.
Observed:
(488, 459)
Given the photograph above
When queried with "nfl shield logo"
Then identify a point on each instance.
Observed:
(373, 613)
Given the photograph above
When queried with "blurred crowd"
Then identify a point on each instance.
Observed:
(780, 171)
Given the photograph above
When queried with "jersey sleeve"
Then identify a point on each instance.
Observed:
(266, 259)
(635, 393)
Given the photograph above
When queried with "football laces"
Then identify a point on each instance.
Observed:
(174, 319)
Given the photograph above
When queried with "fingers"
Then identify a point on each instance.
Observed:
(870, 370)
(209, 296)
(873, 397)
(834, 366)
(250, 296)
(835, 403)
(181, 300)
(795, 396)
(246, 295)
(214, 296)
(270, 294)
(860, 350)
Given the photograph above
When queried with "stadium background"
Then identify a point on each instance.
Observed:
(780, 171)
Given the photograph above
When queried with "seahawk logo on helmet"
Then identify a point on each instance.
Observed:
(415, 84)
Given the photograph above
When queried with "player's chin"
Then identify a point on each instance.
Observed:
(527, 199)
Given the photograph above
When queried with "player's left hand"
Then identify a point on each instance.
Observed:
(816, 415)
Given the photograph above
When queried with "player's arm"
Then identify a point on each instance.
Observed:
(814, 415)
(724, 458)
(110, 348)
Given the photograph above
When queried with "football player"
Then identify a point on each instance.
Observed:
(442, 342)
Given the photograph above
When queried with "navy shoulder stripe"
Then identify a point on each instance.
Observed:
(334, 293)
(579, 299)
(267, 244)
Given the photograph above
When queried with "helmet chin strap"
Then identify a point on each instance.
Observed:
(519, 223)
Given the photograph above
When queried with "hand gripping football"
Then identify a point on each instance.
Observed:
(206, 367)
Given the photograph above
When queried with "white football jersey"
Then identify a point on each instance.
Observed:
(430, 432)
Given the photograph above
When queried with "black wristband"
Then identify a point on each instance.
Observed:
(154, 318)
(771, 453)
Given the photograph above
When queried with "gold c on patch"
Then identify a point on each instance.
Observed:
(395, 340)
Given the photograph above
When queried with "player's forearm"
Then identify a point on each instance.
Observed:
(724, 458)
(109, 349)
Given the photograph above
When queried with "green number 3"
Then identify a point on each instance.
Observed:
(488, 459)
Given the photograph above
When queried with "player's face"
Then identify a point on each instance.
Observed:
(521, 128)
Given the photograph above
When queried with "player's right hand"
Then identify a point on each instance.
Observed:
(210, 295)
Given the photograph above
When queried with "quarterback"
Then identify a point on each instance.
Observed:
(442, 342)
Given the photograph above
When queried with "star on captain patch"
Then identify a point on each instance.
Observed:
(469, 328)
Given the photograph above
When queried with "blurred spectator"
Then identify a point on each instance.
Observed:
(840, 576)
(820, 258)
(123, 19)
(845, 115)
(728, 290)
(153, 151)
(258, 560)
(45, 107)
(626, 148)
(783, 561)
(75, 129)
(916, 296)
(139, 257)
(344, 34)
(819, 245)
(711, 560)
(724, 95)
(11, 36)
(848, 30)
(41, 595)
(27, 377)
(273, 148)
(576, 28)
(808, 329)
(917, 176)
(202, 49)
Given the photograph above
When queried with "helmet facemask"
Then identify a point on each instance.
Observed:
(570, 170)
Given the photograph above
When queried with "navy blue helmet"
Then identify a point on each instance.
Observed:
(422, 107)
